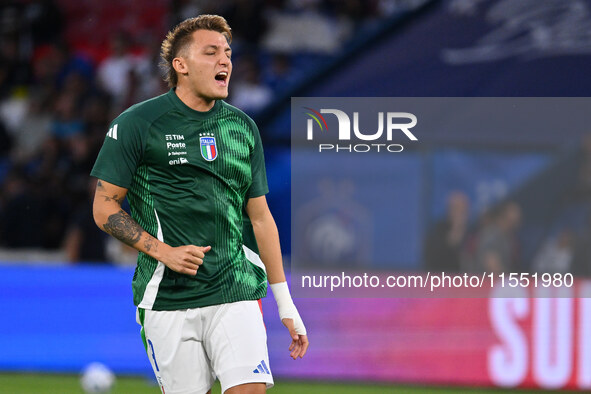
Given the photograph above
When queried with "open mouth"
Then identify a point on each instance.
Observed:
(222, 78)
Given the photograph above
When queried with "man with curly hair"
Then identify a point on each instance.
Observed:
(192, 169)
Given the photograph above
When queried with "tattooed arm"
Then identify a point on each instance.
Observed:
(110, 218)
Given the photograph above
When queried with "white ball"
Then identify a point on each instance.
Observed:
(97, 378)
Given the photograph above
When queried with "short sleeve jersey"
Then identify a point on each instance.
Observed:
(189, 175)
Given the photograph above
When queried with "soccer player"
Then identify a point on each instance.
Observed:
(192, 169)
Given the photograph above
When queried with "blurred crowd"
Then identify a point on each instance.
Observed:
(494, 241)
(61, 85)
(492, 244)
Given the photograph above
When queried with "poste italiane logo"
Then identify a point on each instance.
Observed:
(372, 142)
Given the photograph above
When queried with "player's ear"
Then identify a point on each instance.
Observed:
(179, 65)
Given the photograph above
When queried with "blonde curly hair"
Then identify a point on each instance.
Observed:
(179, 37)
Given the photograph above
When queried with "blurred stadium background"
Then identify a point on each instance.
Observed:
(67, 67)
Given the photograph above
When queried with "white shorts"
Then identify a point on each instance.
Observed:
(189, 349)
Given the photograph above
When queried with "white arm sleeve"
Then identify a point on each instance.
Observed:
(287, 309)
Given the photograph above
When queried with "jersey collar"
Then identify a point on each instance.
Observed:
(189, 111)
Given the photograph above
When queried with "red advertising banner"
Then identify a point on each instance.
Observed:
(529, 337)
(537, 338)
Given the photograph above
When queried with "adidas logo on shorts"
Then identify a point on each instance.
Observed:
(262, 368)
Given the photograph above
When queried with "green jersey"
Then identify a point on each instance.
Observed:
(189, 175)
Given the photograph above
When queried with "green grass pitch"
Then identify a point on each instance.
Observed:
(69, 384)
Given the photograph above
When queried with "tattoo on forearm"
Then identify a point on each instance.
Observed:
(150, 243)
(121, 226)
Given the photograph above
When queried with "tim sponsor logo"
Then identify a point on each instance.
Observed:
(176, 147)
